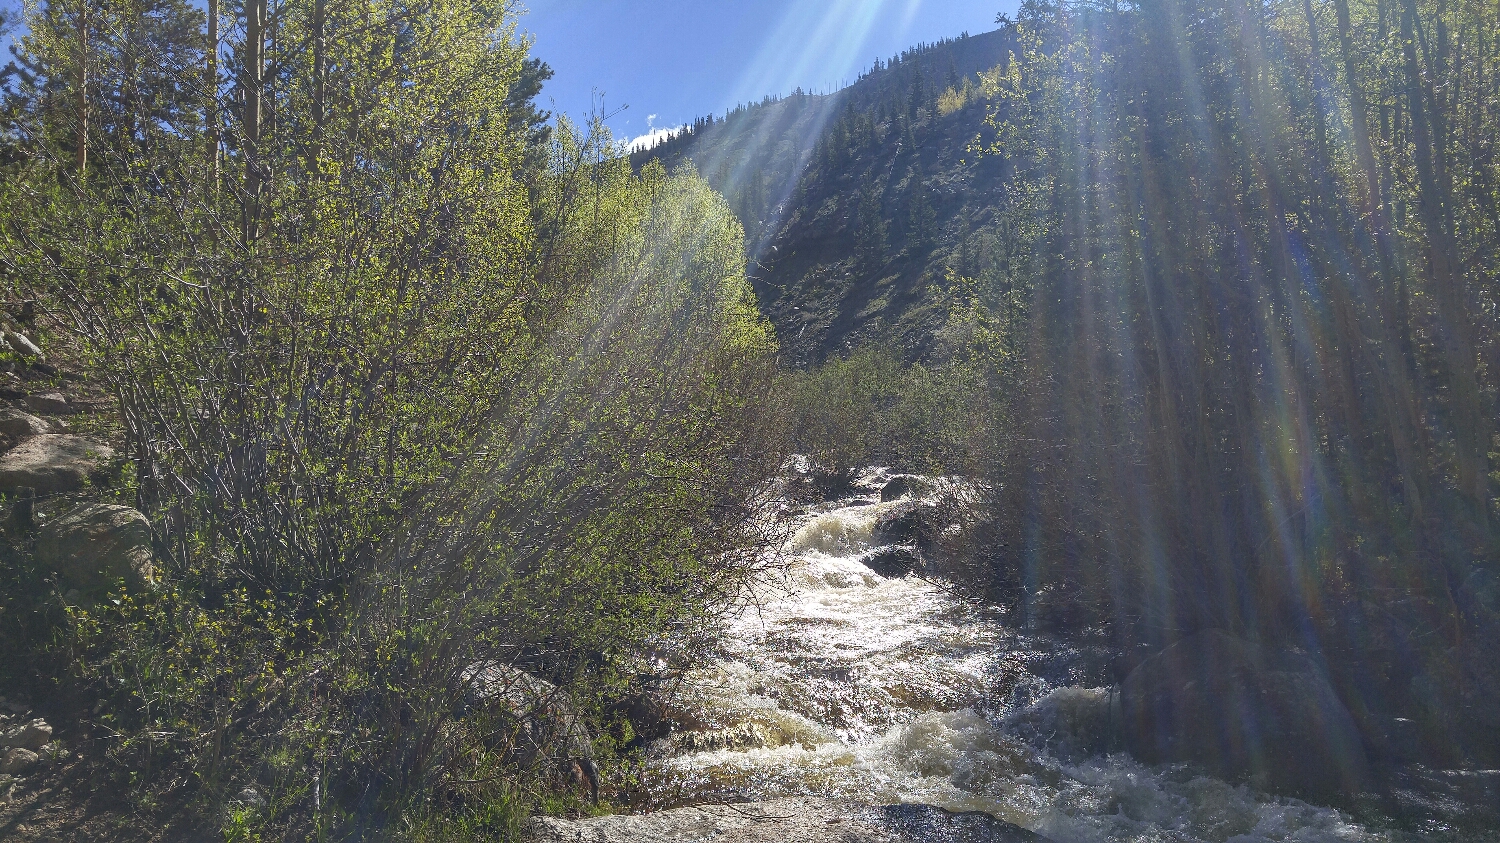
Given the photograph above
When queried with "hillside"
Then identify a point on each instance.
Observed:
(855, 204)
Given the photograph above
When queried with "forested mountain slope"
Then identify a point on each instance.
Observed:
(857, 203)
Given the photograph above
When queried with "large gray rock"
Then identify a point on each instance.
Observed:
(1074, 723)
(96, 545)
(909, 523)
(19, 425)
(49, 403)
(16, 761)
(1221, 703)
(905, 486)
(893, 561)
(539, 723)
(23, 345)
(32, 736)
(52, 463)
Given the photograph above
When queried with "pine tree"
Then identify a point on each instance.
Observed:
(921, 220)
(870, 229)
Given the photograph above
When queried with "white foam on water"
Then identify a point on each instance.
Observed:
(852, 684)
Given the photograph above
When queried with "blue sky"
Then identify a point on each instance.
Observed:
(670, 61)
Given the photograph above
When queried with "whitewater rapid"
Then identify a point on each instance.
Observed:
(844, 683)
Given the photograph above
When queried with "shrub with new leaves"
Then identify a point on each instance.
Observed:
(402, 390)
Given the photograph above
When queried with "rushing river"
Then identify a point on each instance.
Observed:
(845, 683)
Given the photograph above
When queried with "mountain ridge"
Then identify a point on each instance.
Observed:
(857, 204)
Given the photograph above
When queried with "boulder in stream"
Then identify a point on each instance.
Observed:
(1223, 704)
(905, 486)
(893, 562)
(1074, 723)
(908, 523)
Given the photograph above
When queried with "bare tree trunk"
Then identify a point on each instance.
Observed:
(1319, 84)
(211, 86)
(1359, 108)
(83, 88)
(253, 86)
(1471, 438)
(320, 77)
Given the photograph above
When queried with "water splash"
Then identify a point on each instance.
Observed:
(844, 683)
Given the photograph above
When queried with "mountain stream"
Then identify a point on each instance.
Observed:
(844, 683)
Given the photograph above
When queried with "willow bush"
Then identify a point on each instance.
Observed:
(405, 387)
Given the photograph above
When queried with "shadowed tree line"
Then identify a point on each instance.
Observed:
(1261, 243)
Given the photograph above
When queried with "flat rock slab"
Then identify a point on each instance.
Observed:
(52, 463)
(799, 820)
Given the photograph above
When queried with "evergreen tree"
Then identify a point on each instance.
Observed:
(870, 229)
(119, 74)
(921, 224)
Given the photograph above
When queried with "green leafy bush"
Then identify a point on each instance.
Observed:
(402, 392)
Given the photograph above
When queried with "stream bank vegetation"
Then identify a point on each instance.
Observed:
(1201, 293)
(407, 381)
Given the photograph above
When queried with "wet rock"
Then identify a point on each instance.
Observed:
(1073, 723)
(905, 486)
(48, 403)
(927, 823)
(792, 820)
(32, 736)
(95, 545)
(893, 562)
(52, 463)
(739, 736)
(17, 761)
(1219, 702)
(649, 717)
(19, 425)
(548, 731)
(910, 523)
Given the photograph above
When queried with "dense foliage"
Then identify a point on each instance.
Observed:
(1258, 392)
(408, 381)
